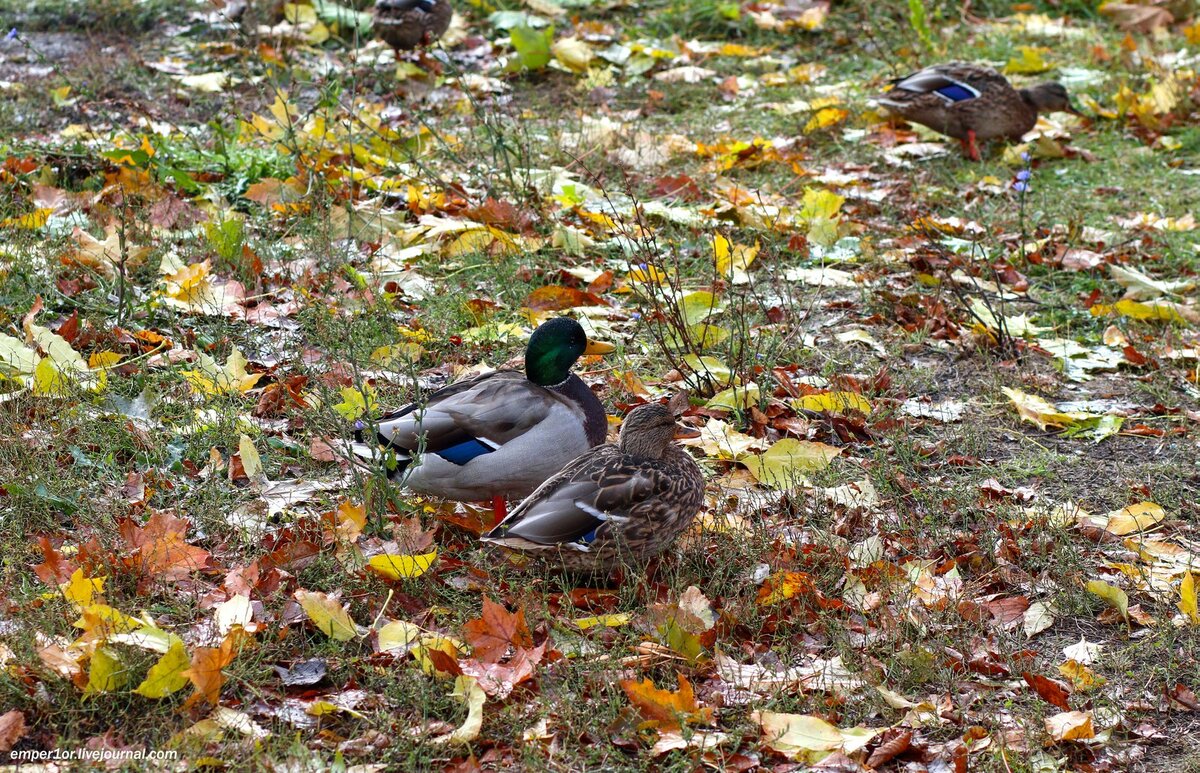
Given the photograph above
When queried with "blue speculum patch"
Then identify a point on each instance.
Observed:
(956, 92)
(464, 452)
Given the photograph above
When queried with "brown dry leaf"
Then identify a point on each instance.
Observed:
(1133, 17)
(12, 729)
(895, 742)
(102, 256)
(499, 679)
(495, 631)
(666, 709)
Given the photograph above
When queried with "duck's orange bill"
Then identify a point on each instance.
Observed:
(683, 432)
(598, 347)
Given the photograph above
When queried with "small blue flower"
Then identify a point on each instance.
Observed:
(359, 425)
(1020, 186)
(1024, 175)
(636, 315)
(12, 34)
(642, 266)
(1026, 157)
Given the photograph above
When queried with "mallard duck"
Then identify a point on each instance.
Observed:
(407, 24)
(614, 504)
(970, 102)
(500, 435)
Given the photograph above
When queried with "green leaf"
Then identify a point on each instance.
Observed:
(918, 19)
(1116, 597)
(345, 18)
(698, 306)
(226, 238)
(785, 463)
(532, 46)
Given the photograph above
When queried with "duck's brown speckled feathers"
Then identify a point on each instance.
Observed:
(968, 101)
(407, 24)
(614, 505)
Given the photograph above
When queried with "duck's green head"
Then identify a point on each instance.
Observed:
(553, 349)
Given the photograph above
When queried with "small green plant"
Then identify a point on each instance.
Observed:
(918, 19)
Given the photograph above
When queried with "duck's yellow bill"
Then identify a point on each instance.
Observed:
(598, 347)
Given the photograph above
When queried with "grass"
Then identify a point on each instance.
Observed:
(64, 474)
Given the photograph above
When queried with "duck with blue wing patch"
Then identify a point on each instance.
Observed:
(499, 435)
(408, 24)
(970, 102)
(614, 505)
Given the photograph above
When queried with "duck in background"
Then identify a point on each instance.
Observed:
(408, 24)
(970, 102)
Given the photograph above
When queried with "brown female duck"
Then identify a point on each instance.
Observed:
(970, 102)
(615, 504)
(407, 24)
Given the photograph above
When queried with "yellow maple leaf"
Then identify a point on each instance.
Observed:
(212, 379)
(166, 676)
(824, 118)
(81, 590)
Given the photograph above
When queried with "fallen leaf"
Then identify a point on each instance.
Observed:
(327, 614)
(467, 690)
(1070, 726)
(1116, 597)
(666, 709)
(12, 729)
(397, 567)
(808, 738)
(785, 463)
(168, 675)
(495, 631)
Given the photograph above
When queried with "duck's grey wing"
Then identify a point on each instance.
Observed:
(470, 418)
(942, 82)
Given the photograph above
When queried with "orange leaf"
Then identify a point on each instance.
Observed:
(1052, 691)
(205, 672)
(666, 708)
(784, 585)
(160, 547)
(492, 634)
(555, 297)
(55, 570)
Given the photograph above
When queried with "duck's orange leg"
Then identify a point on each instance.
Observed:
(499, 508)
(970, 146)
